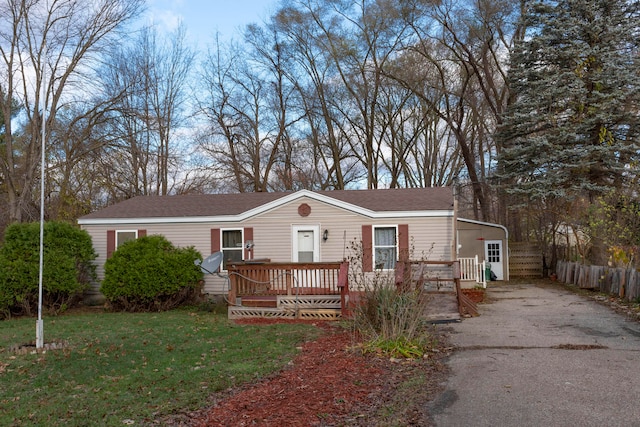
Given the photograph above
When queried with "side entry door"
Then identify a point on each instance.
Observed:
(493, 255)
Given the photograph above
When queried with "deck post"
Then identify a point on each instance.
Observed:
(343, 285)
(233, 287)
(401, 268)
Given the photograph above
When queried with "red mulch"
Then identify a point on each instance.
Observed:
(327, 384)
(476, 295)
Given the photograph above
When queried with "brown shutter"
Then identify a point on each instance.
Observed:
(248, 235)
(142, 233)
(215, 240)
(403, 242)
(367, 249)
(111, 242)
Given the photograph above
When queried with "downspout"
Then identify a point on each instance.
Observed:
(454, 239)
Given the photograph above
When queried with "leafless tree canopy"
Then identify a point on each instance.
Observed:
(325, 94)
(48, 51)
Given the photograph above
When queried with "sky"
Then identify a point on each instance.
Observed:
(204, 17)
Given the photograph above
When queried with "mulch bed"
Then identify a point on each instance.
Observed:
(476, 295)
(330, 383)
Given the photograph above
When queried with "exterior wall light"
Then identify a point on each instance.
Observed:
(325, 235)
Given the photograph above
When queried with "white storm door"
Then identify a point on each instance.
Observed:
(306, 248)
(306, 244)
(493, 255)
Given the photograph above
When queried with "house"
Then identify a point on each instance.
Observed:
(301, 226)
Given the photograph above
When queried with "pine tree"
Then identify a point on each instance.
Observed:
(572, 131)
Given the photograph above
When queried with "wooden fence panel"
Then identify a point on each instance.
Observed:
(622, 282)
(525, 260)
(633, 293)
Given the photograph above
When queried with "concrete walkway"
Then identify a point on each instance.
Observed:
(542, 356)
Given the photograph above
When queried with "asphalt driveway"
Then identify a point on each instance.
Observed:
(542, 356)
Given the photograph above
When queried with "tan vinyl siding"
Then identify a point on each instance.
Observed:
(429, 237)
(472, 237)
(344, 228)
(180, 235)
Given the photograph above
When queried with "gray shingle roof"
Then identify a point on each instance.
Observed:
(206, 205)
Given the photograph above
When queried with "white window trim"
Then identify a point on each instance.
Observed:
(222, 248)
(125, 231)
(373, 245)
(294, 241)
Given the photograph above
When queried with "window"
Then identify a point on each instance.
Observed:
(493, 252)
(231, 247)
(385, 248)
(125, 236)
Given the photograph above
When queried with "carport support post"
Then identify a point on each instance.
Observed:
(454, 237)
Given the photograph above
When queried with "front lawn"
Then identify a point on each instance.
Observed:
(133, 368)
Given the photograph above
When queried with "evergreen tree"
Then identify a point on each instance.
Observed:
(572, 131)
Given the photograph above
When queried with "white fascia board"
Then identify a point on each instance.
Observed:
(489, 224)
(157, 220)
(238, 218)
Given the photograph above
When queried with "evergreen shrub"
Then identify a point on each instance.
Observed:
(67, 267)
(150, 274)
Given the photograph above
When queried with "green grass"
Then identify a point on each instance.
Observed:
(118, 367)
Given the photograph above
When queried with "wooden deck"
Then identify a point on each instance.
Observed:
(289, 290)
(321, 290)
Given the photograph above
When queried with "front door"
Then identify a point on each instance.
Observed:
(306, 248)
(493, 255)
(306, 244)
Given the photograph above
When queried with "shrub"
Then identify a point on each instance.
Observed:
(614, 225)
(67, 267)
(390, 319)
(150, 274)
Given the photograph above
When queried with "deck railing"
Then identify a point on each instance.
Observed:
(427, 274)
(434, 276)
(472, 270)
(272, 278)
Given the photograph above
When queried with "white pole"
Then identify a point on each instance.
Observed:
(39, 323)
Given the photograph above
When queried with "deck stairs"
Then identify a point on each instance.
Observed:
(441, 303)
(319, 307)
(445, 301)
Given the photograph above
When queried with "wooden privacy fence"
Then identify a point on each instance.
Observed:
(623, 282)
(525, 260)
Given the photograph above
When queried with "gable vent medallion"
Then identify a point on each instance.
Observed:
(304, 209)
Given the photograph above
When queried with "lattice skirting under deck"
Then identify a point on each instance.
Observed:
(281, 313)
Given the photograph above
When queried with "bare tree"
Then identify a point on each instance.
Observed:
(283, 107)
(72, 185)
(359, 38)
(151, 76)
(47, 49)
(463, 54)
(251, 107)
(314, 77)
(172, 64)
(228, 105)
